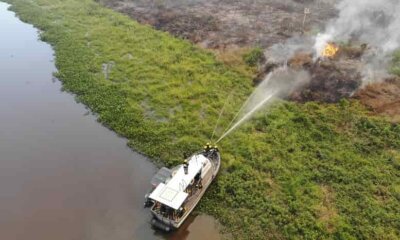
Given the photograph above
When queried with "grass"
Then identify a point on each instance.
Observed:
(298, 171)
(235, 58)
(396, 63)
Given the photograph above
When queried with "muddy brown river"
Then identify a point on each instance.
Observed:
(62, 174)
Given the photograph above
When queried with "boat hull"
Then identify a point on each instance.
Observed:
(167, 224)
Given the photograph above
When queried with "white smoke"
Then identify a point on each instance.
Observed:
(375, 22)
(281, 52)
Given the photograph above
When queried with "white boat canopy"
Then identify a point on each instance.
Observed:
(172, 194)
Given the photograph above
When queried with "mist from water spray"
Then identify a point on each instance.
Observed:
(278, 84)
(375, 22)
(247, 115)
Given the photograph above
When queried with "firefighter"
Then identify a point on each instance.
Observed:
(207, 147)
(199, 184)
(197, 180)
(186, 166)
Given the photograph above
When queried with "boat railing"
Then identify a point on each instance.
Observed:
(172, 217)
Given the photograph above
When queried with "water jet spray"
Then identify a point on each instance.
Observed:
(246, 116)
(279, 83)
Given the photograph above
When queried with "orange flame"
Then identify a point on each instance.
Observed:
(330, 50)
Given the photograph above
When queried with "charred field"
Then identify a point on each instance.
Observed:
(227, 24)
(304, 169)
(233, 30)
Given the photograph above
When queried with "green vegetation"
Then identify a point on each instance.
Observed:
(235, 59)
(396, 63)
(312, 171)
(253, 57)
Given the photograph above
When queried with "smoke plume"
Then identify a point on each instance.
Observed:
(375, 22)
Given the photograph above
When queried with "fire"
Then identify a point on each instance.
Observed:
(330, 50)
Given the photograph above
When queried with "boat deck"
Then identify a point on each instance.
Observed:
(193, 198)
(206, 182)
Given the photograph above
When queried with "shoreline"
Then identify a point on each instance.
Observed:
(163, 94)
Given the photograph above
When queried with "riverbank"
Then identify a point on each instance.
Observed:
(310, 171)
(62, 174)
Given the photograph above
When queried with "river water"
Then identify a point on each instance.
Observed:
(62, 174)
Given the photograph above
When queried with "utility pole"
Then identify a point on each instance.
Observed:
(306, 12)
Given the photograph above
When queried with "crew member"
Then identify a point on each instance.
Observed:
(199, 184)
(186, 166)
(207, 147)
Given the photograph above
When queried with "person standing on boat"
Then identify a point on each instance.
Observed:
(207, 147)
(186, 166)
(197, 180)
